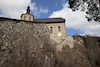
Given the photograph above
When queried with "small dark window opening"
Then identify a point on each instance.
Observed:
(51, 29)
(24, 17)
(59, 29)
(96, 63)
(56, 61)
(99, 45)
(99, 40)
(29, 18)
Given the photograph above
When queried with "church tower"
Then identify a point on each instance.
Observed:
(27, 16)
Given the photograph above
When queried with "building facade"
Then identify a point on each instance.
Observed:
(57, 30)
(56, 26)
(27, 16)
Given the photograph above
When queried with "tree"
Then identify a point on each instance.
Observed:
(91, 7)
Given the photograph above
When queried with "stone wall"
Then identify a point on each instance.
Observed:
(24, 44)
(27, 17)
(58, 35)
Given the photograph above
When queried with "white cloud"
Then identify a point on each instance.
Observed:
(76, 20)
(14, 8)
(43, 10)
(39, 10)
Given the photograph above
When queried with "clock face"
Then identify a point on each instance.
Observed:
(59, 34)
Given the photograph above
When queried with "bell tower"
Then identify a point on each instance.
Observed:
(28, 10)
(27, 16)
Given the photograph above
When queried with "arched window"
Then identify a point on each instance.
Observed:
(59, 29)
(30, 18)
(24, 17)
(51, 30)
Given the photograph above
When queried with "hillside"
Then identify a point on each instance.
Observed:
(92, 44)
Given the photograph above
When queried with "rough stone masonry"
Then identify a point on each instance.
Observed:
(22, 44)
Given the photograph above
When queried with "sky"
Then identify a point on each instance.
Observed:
(76, 23)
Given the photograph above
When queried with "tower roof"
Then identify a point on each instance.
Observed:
(28, 10)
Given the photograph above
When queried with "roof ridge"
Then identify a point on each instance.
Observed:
(50, 18)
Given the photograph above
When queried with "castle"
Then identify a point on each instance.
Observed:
(56, 26)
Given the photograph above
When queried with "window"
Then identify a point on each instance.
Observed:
(59, 29)
(30, 18)
(50, 29)
(24, 17)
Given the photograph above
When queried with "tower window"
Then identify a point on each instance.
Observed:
(59, 29)
(51, 30)
(30, 18)
(24, 17)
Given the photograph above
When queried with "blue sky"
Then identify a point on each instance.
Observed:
(51, 5)
(76, 23)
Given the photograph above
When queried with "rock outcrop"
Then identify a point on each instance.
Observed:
(71, 52)
(92, 44)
